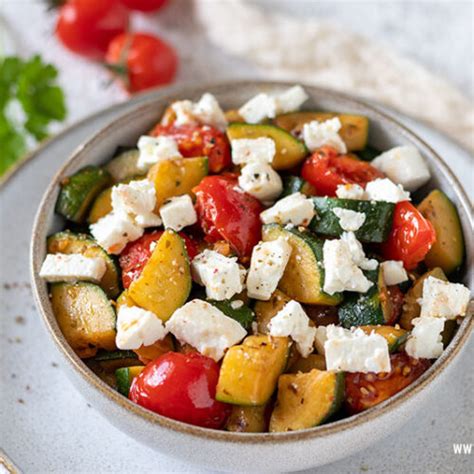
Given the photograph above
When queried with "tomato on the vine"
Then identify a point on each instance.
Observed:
(144, 5)
(86, 27)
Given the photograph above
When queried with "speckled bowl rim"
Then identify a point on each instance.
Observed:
(42, 300)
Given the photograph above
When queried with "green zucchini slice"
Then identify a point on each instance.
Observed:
(303, 279)
(69, 242)
(235, 310)
(295, 184)
(125, 376)
(289, 150)
(79, 191)
(377, 224)
(124, 166)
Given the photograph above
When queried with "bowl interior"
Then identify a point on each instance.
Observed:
(384, 133)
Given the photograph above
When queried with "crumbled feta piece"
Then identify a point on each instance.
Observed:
(155, 149)
(206, 328)
(393, 272)
(137, 327)
(262, 181)
(349, 220)
(404, 165)
(292, 321)
(268, 262)
(72, 267)
(136, 200)
(290, 100)
(425, 340)
(355, 351)
(317, 134)
(113, 231)
(357, 252)
(350, 191)
(236, 304)
(341, 273)
(206, 111)
(222, 276)
(295, 209)
(383, 189)
(442, 299)
(260, 107)
(253, 150)
(178, 212)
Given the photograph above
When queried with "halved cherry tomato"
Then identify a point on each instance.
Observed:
(411, 236)
(367, 390)
(226, 212)
(136, 254)
(195, 140)
(182, 387)
(86, 27)
(325, 169)
(396, 303)
(144, 5)
(142, 61)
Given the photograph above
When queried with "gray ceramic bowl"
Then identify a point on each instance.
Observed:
(234, 451)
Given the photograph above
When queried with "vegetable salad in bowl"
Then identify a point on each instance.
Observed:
(256, 270)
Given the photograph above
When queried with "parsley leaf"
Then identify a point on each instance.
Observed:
(30, 100)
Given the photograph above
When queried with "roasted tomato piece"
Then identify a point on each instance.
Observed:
(322, 315)
(182, 387)
(411, 236)
(195, 140)
(396, 303)
(226, 212)
(325, 169)
(136, 254)
(367, 390)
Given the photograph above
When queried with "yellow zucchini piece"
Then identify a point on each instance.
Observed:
(395, 337)
(265, 310)
(250, 371)
(448, 250)
(101, 207)
(289, 150)
(124, 167)
(247, 419)
(165, 282)
(411, 308)
(307, 364)
(354, 131)
(306, 400)
(176, 177)
(85, 317)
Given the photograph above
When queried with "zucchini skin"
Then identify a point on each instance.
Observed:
(295, 184)
(243, 315)
(378, 218)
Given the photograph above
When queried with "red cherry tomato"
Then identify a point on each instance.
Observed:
(396, 303)
(411, 236)
(87, 26)
(182, 387)
(142, 61)
(325, 169)
(144, 5)
(136, 254)
(226, 212)
(196, 140)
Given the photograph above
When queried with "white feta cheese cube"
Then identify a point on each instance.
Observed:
(206, 328)
(290, 100)
(137, 201)
(154, 149)
(393, 272)
(341, 273)
(292, 321)
(442, 299)
(222, 276)
(350, 191)
(72, 267)
(383, 189)
(425, 340)
(262, 181)
(349, 220)
(268, 262)
(206, 111)
(404, 165)
(252, 150)
(357, 252)
(178, 212)
(260, 107)
(295, 209)
(137, 327)
(355, 351)
(113, 231)
(317, 134)
(184, 111)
